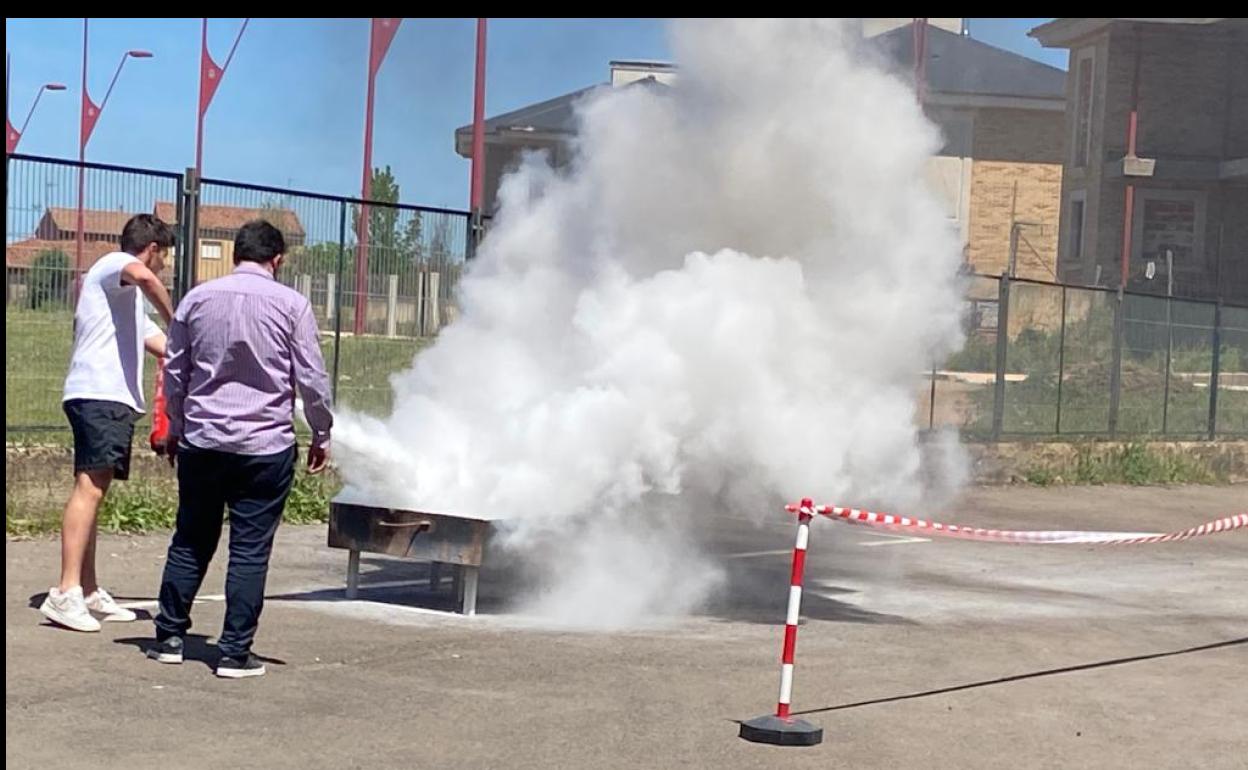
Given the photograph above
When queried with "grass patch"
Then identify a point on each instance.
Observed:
(365, 365)
(37, 348)
(136, 507)
(1135, 464)
(1031, 406)
(141, 507)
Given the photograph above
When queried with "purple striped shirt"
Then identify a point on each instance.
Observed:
(238, 347)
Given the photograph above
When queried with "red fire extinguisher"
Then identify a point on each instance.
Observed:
(160, 418)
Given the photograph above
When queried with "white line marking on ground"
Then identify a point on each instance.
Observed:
(156, 602)
(374, 610)
(752, 554)
(894, 540)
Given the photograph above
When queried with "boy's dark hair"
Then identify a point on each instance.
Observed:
(143, 229)
(258, 241)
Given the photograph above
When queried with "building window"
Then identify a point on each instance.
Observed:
(1075, 225)
(1083, 108)
(1170, 221)
(210, 250)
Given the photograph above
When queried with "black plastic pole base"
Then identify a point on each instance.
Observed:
(781, 731)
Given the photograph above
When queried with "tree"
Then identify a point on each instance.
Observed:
(413, 241)
(386, 254)
(49, 279)
(319, 259)
(440, 248)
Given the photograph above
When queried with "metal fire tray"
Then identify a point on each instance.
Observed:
(437, 538)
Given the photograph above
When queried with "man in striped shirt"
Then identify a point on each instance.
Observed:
(238, 348)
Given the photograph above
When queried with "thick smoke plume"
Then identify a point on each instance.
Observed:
(723, 304)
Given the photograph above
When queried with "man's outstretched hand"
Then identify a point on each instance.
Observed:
(168, 448)
(318, 459)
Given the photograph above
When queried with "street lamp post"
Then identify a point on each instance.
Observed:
(15, 134)
(90, 115)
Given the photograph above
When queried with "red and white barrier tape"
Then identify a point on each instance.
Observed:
(1042, 537)
(806, 510)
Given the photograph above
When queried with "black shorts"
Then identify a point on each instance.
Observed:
(103, 432)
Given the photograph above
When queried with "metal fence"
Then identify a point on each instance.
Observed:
(42, 253)
(380, 276)
(1046, 359)
(1041, 359)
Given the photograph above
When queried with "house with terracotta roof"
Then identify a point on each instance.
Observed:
(61, 224)
(217, 227)
(53, 247)
(52, 252)
(53, 260)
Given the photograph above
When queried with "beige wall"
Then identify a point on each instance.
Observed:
(206, 269)
(950, 180)
(623, 74)
(1001, 166)
(1003, 192)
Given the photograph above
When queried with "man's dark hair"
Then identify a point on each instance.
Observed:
(143, 229)
(258, 241)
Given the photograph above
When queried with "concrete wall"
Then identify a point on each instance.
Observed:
(949, 179)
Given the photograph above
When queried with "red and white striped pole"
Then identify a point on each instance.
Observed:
(780, 728)
(794, 611)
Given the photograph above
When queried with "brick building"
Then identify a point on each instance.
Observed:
(999, 173)
(1186, 82)
(54, 240)
(1002, 115)
(217, 225)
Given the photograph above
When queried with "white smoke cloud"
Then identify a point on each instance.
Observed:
(723, 305)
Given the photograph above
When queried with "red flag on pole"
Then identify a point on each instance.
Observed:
(90, 114)
(383, 34)
(209, 78)
(210, 73)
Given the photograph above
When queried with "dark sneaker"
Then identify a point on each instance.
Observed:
(168, 651)
(239, 668)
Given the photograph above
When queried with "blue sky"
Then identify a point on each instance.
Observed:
(290, 109)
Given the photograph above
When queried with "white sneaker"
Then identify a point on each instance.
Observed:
(69, 609)
(101, 603)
